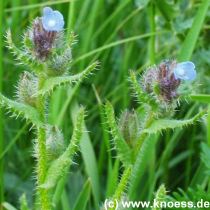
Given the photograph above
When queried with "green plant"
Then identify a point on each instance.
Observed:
(157, 96)
(47, 53)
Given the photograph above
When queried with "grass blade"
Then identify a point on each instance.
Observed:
(192, 36)
(83, 197)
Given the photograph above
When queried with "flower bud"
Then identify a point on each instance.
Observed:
(46, 31)
(161, 81)
(43, 40)
(60, 63)
(129, 126)
(54, 142)
(27, 89)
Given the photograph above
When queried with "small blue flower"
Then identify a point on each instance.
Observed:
(52, 20)
(185, 71)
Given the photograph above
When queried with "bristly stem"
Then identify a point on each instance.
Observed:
(41, 156)
(149, 120)
(122, 186)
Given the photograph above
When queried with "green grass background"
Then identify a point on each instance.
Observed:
(122, 35)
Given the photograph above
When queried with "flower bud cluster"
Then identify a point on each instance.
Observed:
(163, 81)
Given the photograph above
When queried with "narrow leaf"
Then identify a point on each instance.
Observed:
(19, 109)
(54, 82)
(205, 156)
(23, 203)
(123, 150)
(203, 98)
(140, 95)
(164, 124)
(83, 197)
(138, 168)
(141, 3)
(22, 56)
(61, 165)
(89, 158)
(192, 36)
(160, 197)
(166, 9)
(8, 206)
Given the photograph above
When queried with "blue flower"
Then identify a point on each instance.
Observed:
(185, 71)
(52, 20)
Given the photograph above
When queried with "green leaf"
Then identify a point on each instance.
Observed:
(205, 156)
(83, 197)
(123, 150)
(164, 124)
(166, 9)
(54, 82)
(8, 206)
(23, 203)
(138, 168)
(192, 36)
(203, 98)
(160, 196)
(122, 186)
(141, 3)
(22, 56)
(60, 166)
(140, 95)
(19, 109)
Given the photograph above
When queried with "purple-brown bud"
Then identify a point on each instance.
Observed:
(161, 82)
(167, 83)
(43, 40)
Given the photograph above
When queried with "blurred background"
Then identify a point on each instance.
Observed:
(122, 35)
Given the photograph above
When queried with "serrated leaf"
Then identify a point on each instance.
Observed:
(19, 109)
(164, 124)
(123, 150)
(60, 166)
(140, 95)
(23, 57)
(54, 82)
(160, 196)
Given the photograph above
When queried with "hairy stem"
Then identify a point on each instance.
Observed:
(121, 187)
(41, 157)
(149, 120)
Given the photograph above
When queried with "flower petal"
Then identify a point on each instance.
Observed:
(47, 11)
(185, 71)
(52, 20)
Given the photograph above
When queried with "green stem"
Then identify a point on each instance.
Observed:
(121, 186)
(149, 120)
(42, 165)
